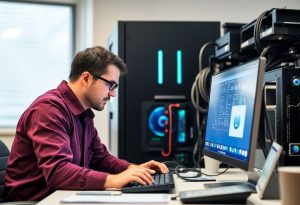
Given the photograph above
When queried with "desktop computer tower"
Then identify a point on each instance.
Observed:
(282, 99)
(162, 60)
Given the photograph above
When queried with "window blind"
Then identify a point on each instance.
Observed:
(36, 49)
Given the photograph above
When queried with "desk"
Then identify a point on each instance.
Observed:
(180, 185)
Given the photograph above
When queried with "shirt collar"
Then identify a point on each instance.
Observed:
(72, 101)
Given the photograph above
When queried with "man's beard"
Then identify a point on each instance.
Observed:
(101, 106)
(98, 108)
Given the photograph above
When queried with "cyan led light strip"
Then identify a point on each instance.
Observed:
(179, 67)
(181, 137)
(160, 58)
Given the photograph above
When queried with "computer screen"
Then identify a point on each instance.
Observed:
(234, 113)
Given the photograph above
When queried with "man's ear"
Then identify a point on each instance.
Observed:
(85, 78)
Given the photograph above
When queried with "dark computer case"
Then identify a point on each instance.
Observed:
(140, 44)
(282, 97)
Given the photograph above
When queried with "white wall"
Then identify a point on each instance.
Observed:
(108, 12)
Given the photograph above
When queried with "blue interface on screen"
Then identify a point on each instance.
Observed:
(230, 115)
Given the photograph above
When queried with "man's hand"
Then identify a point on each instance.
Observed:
(134, 173)
(154, 165)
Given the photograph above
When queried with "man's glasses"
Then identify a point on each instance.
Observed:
(112, 85)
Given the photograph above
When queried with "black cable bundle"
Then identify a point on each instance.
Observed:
(200, 99)
(200, 86)
(257, 30)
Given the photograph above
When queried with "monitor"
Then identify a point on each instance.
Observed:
(234, 114)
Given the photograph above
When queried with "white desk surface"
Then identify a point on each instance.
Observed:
(180, 185)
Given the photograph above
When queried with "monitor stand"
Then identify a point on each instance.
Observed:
(251, 183)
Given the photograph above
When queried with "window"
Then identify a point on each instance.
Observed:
(36, 50)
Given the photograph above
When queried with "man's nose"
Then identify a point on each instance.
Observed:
(113, 93)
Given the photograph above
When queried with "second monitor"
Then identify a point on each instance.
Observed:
(234, 113)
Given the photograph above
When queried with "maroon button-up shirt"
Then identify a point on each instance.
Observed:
(57, 147)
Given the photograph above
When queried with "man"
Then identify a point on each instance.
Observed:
(56, 144)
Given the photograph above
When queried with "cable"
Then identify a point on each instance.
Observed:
(200, 94)
(257, 31)
(200, 90)
(179, 170)
(213, 175)
(170, 130)
(198, 145)
(202, 50)
(267, 50)
(199, 87)
(196, 150)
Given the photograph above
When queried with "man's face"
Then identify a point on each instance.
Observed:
(99, 93)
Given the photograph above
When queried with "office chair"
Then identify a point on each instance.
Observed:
(4, 153)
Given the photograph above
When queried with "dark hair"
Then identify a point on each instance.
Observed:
(95, 60)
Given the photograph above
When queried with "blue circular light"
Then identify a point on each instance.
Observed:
(156, 121)
(295, 149)
(296, 81)
(162, 120)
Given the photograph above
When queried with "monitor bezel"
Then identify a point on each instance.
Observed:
(245, 165)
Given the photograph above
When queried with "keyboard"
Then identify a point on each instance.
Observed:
(219, 195)
(162, 183)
